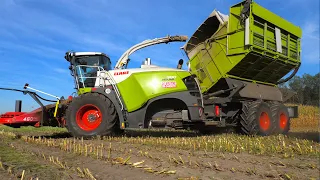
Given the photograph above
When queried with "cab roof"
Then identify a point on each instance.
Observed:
(89, 54)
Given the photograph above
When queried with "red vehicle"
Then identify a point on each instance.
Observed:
(17, 119)
(43, 116)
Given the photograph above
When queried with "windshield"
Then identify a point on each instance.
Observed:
(87, 67)
(98, 60)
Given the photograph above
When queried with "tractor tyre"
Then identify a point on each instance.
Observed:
(92, 114)
(281, 115)
(256, 119)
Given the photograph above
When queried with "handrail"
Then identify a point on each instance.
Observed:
(109, 78)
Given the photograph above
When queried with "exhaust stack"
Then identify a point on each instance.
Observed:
(180, 63)
(18, 106)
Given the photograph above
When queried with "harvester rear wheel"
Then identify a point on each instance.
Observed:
(90, 115)
(281, 115)
(256, 119)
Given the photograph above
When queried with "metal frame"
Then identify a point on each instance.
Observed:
(35, 97)
(100, 71)
(82, 77)
(124, 59)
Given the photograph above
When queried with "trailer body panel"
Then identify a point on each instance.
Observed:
(256, 46)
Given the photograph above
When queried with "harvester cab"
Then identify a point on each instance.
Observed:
(84, 66)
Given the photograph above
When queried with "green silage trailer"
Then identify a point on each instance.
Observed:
(239, 60)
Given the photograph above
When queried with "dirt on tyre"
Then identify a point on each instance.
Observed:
(92, 114)
(281, 115)
(256, 119)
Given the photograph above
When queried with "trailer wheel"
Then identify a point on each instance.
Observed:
(256, 119)
(281, 115)
(90, 115)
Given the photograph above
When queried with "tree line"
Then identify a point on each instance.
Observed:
(306, 88)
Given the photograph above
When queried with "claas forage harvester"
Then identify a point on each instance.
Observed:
(235, 63)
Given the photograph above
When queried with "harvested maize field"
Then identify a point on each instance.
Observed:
(50, 153)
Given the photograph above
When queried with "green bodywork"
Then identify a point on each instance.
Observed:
(140, 87)
(225, 54)
(84, 90)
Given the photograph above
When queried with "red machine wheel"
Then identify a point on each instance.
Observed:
(89, 117)
(283, 120)
(256, 119)
(281, 115)
(264, 121)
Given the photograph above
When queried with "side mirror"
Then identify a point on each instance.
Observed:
(25, 86)
(180, 63)
(71, 70)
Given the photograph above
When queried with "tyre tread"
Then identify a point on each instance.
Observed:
(248, 116)
(112, 119)
(275, 106)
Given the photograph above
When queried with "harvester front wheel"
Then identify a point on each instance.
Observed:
(256, 119)
(90, 115)
(281, 115)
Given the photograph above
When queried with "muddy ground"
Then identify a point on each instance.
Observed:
(42, 160)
